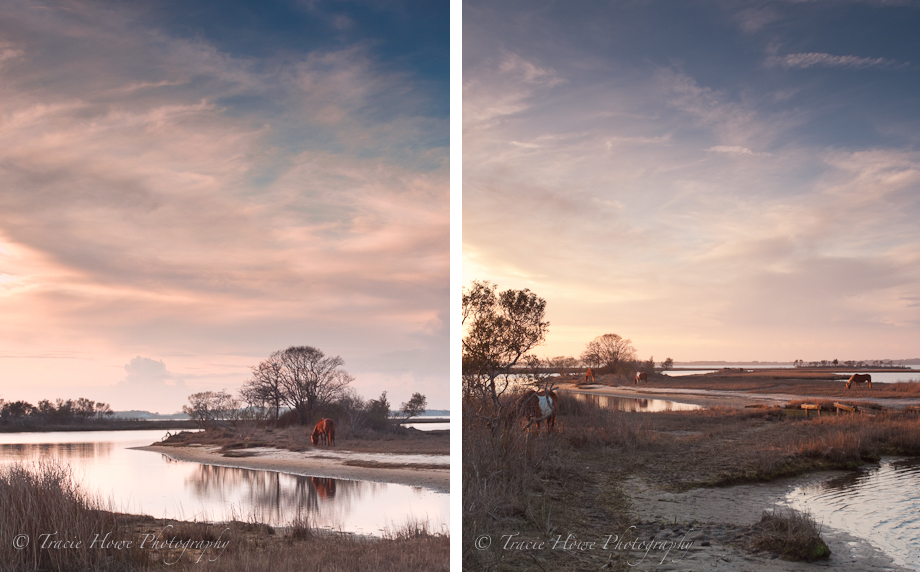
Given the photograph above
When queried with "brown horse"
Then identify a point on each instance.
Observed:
(641, 376)
(539, 406)
(858, 378)
(324, 432)
(589, 375)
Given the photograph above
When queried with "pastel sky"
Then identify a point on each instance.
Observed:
(186, 187)
(715, 180)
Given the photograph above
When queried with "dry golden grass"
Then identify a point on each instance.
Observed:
(514, 478)
(911, 387)
(44, 500)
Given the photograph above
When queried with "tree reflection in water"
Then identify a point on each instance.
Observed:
(277, 498)
(35, 451)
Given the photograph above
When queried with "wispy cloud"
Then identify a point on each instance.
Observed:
(814, 59)
(735, 150)
(686, 202)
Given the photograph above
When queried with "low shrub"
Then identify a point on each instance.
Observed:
(791, 534)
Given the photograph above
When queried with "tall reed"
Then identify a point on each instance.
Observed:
(48, 522)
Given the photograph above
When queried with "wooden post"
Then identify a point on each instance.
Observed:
(850, 408)
(808, 406)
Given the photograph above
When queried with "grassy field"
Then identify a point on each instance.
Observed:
(49, 523)
(572, 480)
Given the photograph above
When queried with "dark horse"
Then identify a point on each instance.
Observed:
(857, 378)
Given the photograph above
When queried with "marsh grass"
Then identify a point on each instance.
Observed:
(511, 472)
(43, 499)
(910, 387)
(585, 423)
(791, 534)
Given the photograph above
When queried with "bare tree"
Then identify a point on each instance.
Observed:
(209, 407)
(355, 408)
(501, 328)
(309, 378)
(608, 351)
(264, 387)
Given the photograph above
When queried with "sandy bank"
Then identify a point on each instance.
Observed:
(324, 463)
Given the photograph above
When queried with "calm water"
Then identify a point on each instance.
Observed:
(430, 426)
(882, 377)
(881, 505)
(143, 482)
(635, 404)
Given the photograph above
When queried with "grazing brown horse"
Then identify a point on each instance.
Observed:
(324, 432)
(539, 406)
(589, 375)
(858, 378)
(641, 376)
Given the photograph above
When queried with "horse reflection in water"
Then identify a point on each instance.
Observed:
(276, 498)
(325, 488)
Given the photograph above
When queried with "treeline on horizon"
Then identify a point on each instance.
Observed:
(803, 363)
(61, 411)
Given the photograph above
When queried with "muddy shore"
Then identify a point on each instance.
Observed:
(412, 470)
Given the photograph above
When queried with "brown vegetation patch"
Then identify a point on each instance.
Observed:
(790, 534)
(540, 484)
(400, 440)
(240, 454)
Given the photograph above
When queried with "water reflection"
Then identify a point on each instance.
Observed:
(35, 451)
(281, 497)
(881, 505)
(142, 482)
(635, 403)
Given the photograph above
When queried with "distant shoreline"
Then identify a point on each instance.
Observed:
(112, 425)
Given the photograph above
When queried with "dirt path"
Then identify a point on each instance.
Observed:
(430, 471)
